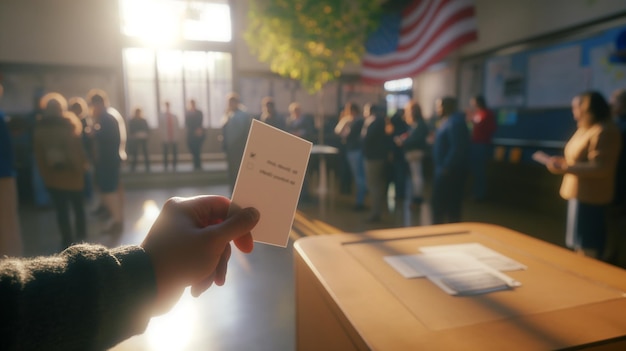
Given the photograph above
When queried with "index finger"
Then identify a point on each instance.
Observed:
(207, 209)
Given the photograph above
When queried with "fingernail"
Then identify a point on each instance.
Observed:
(253, 213)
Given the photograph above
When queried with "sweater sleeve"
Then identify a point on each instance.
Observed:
(86, 298)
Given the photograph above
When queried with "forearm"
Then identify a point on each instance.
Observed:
(87, 298)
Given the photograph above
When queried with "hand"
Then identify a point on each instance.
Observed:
(189, 244)
(557, 165)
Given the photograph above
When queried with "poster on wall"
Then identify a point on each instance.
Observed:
(504, 83)
(555, 76)
(606, 77)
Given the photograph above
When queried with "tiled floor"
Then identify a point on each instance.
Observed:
(255, 309)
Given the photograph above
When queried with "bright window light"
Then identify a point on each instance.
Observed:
(163, 22)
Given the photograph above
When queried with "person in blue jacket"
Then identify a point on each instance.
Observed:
(451, 162)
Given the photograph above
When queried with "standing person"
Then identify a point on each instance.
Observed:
(618, 212)
(483, 128)
(349, 130)
(414, 144)
(61, 161)
(10, 238)
(78, 106)
(138, 132)
(588, 169)
(375, 153)
(269, 114)
(451, 162)
(397, 126)
(235, 133)
(300, 125)
(108, 159)
(195, 133)
(170, 129)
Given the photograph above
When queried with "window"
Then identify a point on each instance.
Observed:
(178, 76)
(164, 22)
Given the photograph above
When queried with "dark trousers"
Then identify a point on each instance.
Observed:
(195, 147)
(135, 145)
(64, 200)
(447, 196)
(167, 148)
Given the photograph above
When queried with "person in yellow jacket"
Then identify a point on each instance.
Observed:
(588, 168)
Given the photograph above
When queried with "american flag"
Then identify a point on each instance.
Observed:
(422, 33)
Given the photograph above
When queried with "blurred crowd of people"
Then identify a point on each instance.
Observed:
(79, 150)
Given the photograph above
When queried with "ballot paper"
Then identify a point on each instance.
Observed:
(457, 273)
(270, 179)
(541, 157)
(482, 253)
(407, 266)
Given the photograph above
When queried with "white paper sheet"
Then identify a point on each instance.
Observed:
(455, 273)
(270, 179)
(482, 253)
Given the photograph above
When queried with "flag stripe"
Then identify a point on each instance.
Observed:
(429, 30)
(409, 54)
(458, 34)
(440, 14)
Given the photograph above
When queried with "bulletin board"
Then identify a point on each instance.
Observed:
(531, 90)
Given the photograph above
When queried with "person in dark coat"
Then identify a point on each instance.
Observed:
(195, 133)
(451, 162)
(235, 134)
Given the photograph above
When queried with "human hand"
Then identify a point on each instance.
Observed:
(557, 165)
(189, 244)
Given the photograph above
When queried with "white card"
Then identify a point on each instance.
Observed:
(270, 179)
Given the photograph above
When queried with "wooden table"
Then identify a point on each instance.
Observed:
(349, 298)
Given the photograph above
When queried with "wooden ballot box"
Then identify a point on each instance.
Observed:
(349, 298)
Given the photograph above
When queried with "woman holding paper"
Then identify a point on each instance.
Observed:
(588, 168)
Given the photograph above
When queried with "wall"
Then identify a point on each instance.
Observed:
(63, 32)
(506, 21)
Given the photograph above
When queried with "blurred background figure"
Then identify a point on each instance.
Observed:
(269, 115)
(235, 134)
(170, 130)
(375, 152)
(300, 125)
(398, 173)
(588, 169)
(195, 133)
(10, 238)
(138, 132)
(108, 142)
(61, 160)
(451, 162)
(40, 194)
(413, 143)
(349, 130)
(484, 127)
(616, 252)
(78, 106)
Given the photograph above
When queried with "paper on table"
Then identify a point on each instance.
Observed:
(482, 253)
(541, 157)
(270, 179)
(460, 274)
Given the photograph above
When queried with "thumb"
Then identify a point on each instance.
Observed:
(237, 225)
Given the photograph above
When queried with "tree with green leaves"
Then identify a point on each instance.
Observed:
(310, 40)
